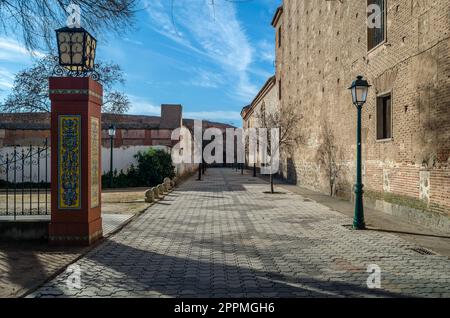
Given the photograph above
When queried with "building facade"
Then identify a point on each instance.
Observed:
(321, 46)
(265, 102)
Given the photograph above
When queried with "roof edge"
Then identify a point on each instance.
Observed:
(277, 15)
(262, 92)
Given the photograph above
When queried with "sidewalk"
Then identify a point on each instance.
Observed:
(26, 265)
(224, 237)
(436, 241)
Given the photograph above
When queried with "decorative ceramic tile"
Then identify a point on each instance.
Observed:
(69, 162)
(95, 186)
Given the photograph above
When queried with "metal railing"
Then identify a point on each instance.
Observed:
(25, 180)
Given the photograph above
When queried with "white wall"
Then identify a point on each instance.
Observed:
(123, 158)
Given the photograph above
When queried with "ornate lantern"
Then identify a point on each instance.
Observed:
(76, 51)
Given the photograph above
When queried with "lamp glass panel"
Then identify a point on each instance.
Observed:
(361, 93)
(88, 51)
(354, 95)
(64, 47)
(77, 48)
(94, 47)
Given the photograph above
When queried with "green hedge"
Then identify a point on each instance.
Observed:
(152, 167)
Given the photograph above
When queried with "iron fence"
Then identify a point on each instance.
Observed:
(25, 180)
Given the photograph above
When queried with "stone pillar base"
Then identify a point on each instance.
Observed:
(75, 234)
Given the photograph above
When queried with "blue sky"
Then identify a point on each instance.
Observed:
(212, 59)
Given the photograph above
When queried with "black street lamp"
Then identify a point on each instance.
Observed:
(359, 89)
(112, 134)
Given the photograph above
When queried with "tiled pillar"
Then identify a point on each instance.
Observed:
(75, 161)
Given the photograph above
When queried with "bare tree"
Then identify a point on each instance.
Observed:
(288, 121)
(330, 157)
(30, 90)
(35, 20)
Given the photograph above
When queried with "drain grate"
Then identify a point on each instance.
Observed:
(422, 251)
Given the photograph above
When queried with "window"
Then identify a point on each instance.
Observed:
(384, 117)
(279, 36)
(376, 26)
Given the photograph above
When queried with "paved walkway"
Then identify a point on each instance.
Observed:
(224, 237)
(26, 264)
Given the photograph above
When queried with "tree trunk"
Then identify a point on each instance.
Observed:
(271, 184)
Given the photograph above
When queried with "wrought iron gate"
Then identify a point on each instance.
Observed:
(25, 180)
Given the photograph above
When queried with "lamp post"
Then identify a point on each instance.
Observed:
(112, 134)
(254, 162)
(359, 89)
(76, 100)
(199, 172)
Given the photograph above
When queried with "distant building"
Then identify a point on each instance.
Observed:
(265, 101)
(321, 46)
(133, 132)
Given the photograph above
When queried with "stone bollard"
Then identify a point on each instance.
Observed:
(149, 196)
(155, 192)
(168, 184)
(161, 189)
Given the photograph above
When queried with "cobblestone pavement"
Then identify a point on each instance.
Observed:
(26, 264)
(224, 237)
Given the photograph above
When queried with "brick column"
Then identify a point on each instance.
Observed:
(75, 161)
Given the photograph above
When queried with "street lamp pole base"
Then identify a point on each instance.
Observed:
(199, 172)
(358, 221)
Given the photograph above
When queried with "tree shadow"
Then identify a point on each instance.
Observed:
(29, 264)
(146, 273)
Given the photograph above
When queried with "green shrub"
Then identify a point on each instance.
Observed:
(152, 167)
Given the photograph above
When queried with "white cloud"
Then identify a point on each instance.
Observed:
(135, 42)
(6, 79)
(214, 115)
(13, 56)
(205, 79)
(214, 32)
(11, 50)
(266, 51)
(141, 106)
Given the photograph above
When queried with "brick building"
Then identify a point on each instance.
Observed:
(321, 46)
(21, 129)
(133, 133)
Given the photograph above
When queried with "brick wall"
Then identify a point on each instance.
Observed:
(323, 48)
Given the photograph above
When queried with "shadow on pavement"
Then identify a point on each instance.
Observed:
(183, 277)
